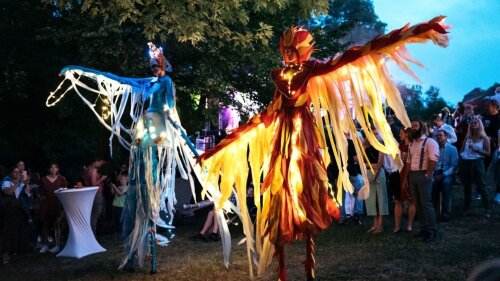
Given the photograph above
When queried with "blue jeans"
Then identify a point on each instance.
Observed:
(442, 204)
(357, 183)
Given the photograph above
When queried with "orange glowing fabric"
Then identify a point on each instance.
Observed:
(284, 144)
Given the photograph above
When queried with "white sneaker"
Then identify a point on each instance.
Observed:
(161, 240)
(44, 249)
(55, 249)
(497, 198)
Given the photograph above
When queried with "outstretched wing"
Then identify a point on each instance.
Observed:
(107, 95)
(354, 85)
(227, 166)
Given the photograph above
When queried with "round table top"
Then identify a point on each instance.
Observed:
(69, 190)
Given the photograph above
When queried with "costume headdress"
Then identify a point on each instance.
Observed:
(300, 39)
(157, 58)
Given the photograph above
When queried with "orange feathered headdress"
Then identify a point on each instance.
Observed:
(300, 39)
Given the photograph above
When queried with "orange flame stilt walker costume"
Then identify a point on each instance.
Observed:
(283, 145)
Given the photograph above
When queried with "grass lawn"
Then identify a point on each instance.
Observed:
(342, 253)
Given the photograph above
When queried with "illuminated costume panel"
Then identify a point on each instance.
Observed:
(283, 147)
(154, 136)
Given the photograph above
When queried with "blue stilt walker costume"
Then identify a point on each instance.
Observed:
(158, 146)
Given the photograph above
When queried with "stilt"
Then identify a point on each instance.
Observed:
(153, 250)
(310, 264)
(281, 259)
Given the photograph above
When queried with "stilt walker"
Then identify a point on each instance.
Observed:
(157, 142)
(285, 144)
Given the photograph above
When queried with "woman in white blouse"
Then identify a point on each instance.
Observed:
(475, 147)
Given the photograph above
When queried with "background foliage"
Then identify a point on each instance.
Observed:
(214, 46)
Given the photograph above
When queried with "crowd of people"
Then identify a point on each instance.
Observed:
(459, 147)
(31, 215)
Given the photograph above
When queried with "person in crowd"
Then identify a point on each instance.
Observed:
(210, 230)
(423, 157)
(458, 115)
(446, 116)
(394, 128)
(496, 96)
(496, 171)
(425, 129)
(475, 148)
(21, 166)
(392, 168)
(119, 200)
(377, 202)
(36, 194)
(463, 125)
(352, 207)
(123, 170)
(404, 193)
(491, 122)
(12, 213)
(25, 197)
(51, 212)
(443, 175)
(92, 177)
(439, 124)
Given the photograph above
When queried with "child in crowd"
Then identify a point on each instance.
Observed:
(119, 201)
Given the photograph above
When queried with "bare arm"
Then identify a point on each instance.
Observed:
(463, 145)
(113, 188)
(120, 191)
(486, 148)
(378, 166)
(10, 190)
(431, 168)
(117, 190)
(94, 178)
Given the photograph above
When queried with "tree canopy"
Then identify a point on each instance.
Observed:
(419, 105)
(214, 47)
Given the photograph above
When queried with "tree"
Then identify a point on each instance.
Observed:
(227, 22)
(421, 106)
(433, 102)
(214, 47)
(348, 22)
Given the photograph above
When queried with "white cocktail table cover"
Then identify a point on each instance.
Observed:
(77, 204)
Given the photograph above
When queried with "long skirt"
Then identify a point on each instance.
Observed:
(377, 202)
